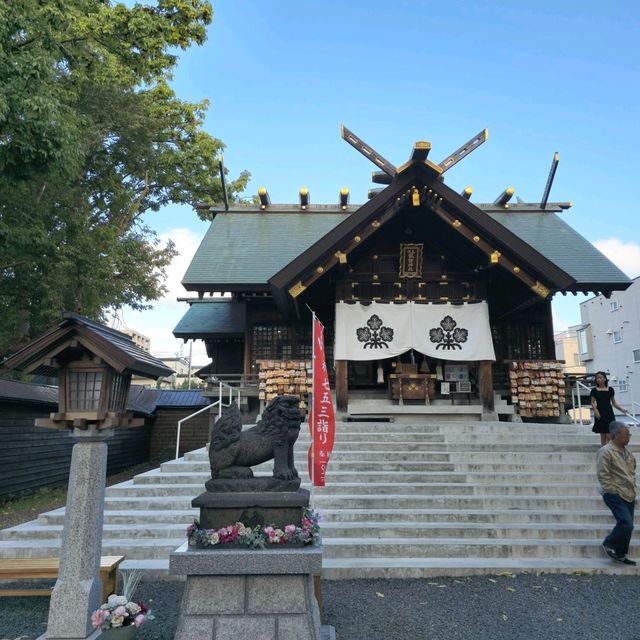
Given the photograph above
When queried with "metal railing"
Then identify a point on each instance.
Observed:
(222, 391)
(576, 398)
(233, 379)
(575, 395)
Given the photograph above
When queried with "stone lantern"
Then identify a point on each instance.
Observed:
(94, 365)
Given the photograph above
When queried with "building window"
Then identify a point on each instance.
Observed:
(623, 386)
(582, 341)
(617, 336)
(636, 355)
(613, 305)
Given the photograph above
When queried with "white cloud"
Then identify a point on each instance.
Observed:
(625, 255)
(159, 322)
(186, 242)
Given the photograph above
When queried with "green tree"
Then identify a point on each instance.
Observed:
(92, 137)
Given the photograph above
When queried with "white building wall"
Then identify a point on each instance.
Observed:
(611, 341)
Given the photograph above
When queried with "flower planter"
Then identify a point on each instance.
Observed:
(238, 545)
(120, 633)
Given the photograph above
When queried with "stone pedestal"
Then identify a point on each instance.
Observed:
(277, 508)
(241, 593)
(78, 590)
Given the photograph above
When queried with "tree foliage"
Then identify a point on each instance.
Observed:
(92, 137)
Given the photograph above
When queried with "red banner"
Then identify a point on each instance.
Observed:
(322, 422)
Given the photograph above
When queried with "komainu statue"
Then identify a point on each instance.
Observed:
(233, 452)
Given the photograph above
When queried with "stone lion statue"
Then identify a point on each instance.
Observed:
(233, 452)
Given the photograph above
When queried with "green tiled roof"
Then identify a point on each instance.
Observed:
(561, 244)
(248, 248)
(209, 317)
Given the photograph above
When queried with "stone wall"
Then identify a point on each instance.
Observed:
(33, 457)
(194, 433)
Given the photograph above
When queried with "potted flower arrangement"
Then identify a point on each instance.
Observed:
(306, 533)
(120, 617)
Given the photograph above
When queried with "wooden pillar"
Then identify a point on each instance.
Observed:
(485, 386)
(248, 335)
(551, 342)
(342, 385)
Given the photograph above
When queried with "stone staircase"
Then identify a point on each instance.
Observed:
(401, 501)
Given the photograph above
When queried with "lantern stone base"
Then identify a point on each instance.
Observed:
(242, 593)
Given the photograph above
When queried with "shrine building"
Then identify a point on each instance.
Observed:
(425, 295)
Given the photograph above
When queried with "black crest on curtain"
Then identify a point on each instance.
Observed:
(374, 335)
(448, 335)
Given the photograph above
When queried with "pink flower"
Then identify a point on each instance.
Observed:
(139, 620)
(98, 617)
(120, 611)
(190, 529)
(290, 529)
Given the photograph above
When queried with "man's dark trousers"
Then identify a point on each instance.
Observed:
(619, 538)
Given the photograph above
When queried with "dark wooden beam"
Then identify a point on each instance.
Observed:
(552, 175)
(263, 195)
(496, 257)
(367, 151)
(485, 386)
(504, 197)
(464, 150)
(380, 177)
(342, 385)
(344, 198)
(223, 181)
(304, 198)
(420, 151)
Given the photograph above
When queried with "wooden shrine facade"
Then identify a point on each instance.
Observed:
(417, 240)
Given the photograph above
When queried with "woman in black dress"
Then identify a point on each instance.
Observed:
(602, 397)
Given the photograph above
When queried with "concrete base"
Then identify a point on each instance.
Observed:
(241, 593)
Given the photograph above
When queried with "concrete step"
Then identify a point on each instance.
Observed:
(128, 547)
(469, 516)
(376, 475)
(463, 530)
(149, 518)
(374, 466)
(452, 501)
(416, 568)
(459, 548)
(401, 501)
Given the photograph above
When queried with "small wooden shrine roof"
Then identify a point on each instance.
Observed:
(114, 347)
(206, 318)
(19, 391)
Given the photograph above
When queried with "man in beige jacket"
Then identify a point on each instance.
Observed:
(617, 476)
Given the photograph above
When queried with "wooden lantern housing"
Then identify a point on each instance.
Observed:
(94, 365)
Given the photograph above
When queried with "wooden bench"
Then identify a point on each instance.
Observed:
(34, 568)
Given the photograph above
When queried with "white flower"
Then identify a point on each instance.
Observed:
(116, 621)
(133, 608)
(115, 601)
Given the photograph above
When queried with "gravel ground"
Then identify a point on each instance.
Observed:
(523, 607)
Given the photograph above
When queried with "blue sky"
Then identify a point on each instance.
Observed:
(542, 76)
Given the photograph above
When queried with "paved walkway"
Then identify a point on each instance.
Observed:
(523, 607)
